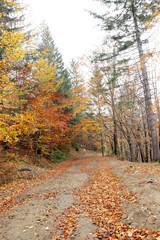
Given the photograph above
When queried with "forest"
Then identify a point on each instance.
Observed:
(49, 110)
(80, 144)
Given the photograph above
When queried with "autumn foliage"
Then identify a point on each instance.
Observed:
(48, 109)
(34, 114)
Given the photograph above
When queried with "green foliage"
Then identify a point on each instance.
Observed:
(10, 21)
(47, 49)
(119, 17)
(57, 156)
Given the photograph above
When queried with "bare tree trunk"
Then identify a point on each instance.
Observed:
(121, 149)
(102, 144)
(146, 142)
(130, 145)
(115, 136)
(137, 149)
(142, 154)
(131, 151)
(1, 58)
(145, 82)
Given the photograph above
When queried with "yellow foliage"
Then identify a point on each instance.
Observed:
(12, 43)
(44, 74)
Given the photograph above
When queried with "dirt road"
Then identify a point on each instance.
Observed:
(89, 198)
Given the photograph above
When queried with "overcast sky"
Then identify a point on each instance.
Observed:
(74, 31)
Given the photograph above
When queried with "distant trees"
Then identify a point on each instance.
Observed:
(79, 105)
(97, 95)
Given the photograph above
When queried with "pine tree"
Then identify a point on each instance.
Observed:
(48, 50)
(126, 22)
(10, 21)
(11, 54)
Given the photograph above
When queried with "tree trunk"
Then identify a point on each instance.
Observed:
(121, 148)
(115, 137)
(146, 141)
(147, 94)
(132, 158)
(102, 145)
(142, 154)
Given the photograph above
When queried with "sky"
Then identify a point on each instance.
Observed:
(74, 30)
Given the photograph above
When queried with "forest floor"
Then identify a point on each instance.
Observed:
(88, 198)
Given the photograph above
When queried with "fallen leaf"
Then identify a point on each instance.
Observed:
(36, 234)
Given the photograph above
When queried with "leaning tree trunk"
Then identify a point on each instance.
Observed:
(147, 94)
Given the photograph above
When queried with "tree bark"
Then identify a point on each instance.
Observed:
(115, 137)
(131, 150)
(146, 141)
(102, 144)
(147, 94)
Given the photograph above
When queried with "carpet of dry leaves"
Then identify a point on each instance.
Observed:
(100, 198)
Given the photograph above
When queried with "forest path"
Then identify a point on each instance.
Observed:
(88, 198)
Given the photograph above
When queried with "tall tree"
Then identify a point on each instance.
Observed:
(111, 74)
(10, 21)
(11, 54)
(48, 50)
(97, 93)
(78, 104)
(126, 22)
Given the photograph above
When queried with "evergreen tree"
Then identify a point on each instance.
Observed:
(48, 50)
(126, 22)
(10, 21)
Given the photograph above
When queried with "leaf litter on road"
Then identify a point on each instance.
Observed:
(101, 199)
